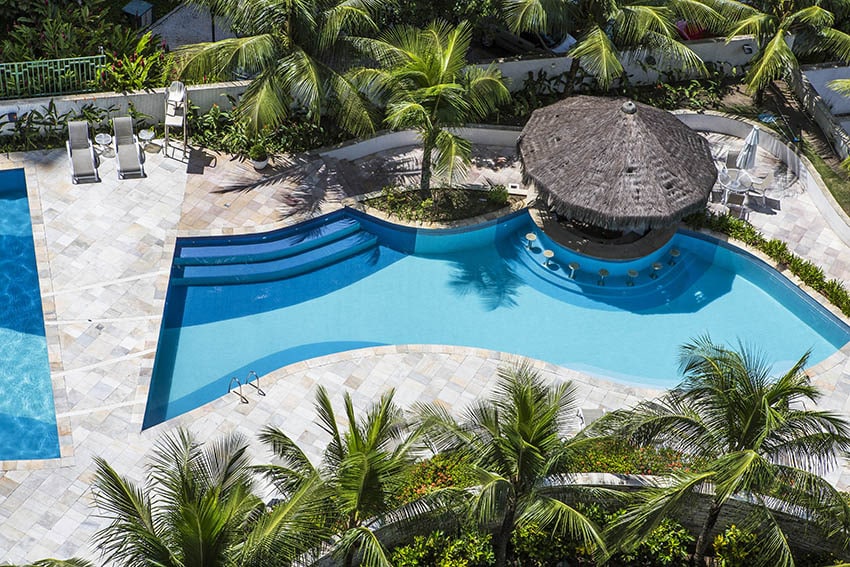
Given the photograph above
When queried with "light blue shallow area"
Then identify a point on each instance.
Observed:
(27, 416)
(486, 288)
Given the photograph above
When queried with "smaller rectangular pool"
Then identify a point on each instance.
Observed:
(27, 414)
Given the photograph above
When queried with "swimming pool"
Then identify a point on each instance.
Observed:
(347, 281)
(27, 415)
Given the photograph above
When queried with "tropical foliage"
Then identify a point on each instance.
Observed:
(294, 52)
(58, 29)
(514, 442)
(609, 29)
(757, 440)
(784, 31)
(198, 507)
(362, 470)
(426, 85)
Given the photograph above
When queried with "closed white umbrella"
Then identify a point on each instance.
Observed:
(747, 157)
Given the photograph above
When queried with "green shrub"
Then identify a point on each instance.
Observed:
(147, 66)
(257, 152)
(618, 457)
(440, 471)
(470, 549)
(535, 547)
(498, 195)
(777, 250)
(666, 545)
(735, 547)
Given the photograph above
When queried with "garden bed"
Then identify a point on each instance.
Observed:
(442, 205)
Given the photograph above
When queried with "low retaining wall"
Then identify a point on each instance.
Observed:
(151, 102)
(477, 134)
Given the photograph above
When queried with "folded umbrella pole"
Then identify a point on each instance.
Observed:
(747, 157)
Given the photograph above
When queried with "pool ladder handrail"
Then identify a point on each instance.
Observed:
(238, 392)
(255, 383)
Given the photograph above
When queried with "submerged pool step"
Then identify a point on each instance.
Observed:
(277, 269)
(272, 247)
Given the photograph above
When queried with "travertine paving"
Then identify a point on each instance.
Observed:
(104, 252)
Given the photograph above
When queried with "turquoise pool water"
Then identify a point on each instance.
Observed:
(27, 415)
(479, 288)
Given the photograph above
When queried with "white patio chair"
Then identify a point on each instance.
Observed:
(760, 186)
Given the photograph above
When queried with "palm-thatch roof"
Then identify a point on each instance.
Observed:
(616, 164)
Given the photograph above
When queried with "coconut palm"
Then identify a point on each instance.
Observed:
(756, 438)
(198, 508)
(784, 30)
(608, 31)
(295, 51)
(514, 441)
(426, 85)
(361, 470)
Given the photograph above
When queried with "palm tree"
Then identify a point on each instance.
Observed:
(514, 441)
(756, 438)
(295, 50)
(198, 508)
(608, 29)
(361, 470)
(783, 30)
(426, 85)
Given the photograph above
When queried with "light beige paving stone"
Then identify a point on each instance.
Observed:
(105, 252)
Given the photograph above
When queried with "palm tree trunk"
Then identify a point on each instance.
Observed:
(571, 76)
(703, 540)
(758, 96)
(503, 536)
(427, 148)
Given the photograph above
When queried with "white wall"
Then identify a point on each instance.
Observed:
(730, 55)
(484, 135)
(151, 102)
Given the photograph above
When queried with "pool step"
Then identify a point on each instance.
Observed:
(273, 246)
(305, 260)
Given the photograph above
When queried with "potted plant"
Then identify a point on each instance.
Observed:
(258, 155)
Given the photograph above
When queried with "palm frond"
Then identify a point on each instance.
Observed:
(252, 54)
(599, 56)
(452, 156)
(365, 542)
(774, 60)
(650, 506)
(563, 519)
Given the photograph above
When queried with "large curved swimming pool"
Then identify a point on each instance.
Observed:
(347, 281)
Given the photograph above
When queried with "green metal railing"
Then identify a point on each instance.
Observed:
(50, 77)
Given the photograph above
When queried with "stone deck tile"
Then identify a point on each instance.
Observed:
(107, 256)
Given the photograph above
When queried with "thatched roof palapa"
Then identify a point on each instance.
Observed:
(616, 164)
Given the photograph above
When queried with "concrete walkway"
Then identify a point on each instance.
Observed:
(105, 250)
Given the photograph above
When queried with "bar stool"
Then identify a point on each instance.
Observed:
(603, 273)
(632, 275)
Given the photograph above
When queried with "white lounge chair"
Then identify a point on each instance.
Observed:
(127, 148)
(81, 153)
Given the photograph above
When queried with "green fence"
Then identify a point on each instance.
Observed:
(49, 77)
